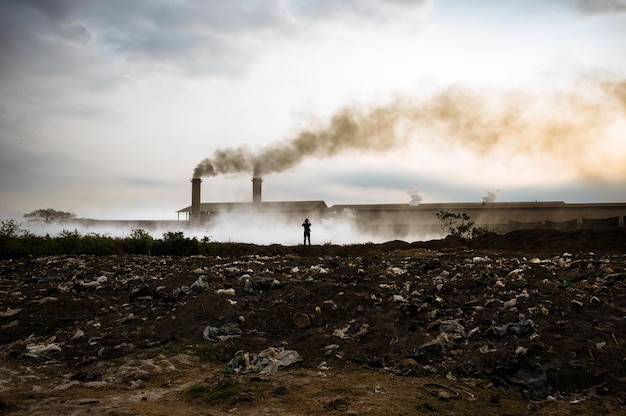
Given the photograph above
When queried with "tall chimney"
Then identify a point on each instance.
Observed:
(256, 190)
(195, 199)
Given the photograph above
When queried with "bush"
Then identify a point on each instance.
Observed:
(139, 242)
(176, 244)
(12, 237)
(12, 229)
(457, 225)
(68, 242)
(16, 242)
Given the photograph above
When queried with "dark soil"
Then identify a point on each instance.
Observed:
(539, 313)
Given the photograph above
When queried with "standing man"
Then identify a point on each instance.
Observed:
(307, 230)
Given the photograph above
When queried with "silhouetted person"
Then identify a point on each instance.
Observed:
(307, 231)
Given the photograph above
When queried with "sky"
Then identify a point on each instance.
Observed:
(109, 108)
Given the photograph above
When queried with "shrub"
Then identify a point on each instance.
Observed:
(11, 228)
(140, 242)
(457, 225)
(16, 242)
(176, 244)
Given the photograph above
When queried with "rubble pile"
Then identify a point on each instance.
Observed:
(545, 323)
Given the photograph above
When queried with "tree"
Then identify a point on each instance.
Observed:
(11, 228)
(457, 225)
(49, 216)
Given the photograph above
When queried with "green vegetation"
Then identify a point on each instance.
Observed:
(460, 225)
(140, 241)
(49, 216)
(12, 228)
(229, 392)
(176, 244)
(15, 242)
(457, 225)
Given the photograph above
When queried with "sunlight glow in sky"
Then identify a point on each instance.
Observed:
(107, 107)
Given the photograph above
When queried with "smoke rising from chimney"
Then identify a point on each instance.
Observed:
(349, 128)
(491, 195)
(566, 126)
(416, 198)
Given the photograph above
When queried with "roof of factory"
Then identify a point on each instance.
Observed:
(209, 207)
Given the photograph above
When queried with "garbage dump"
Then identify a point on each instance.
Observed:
(544, 317)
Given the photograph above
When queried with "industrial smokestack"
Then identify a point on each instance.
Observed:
(256, 190)
(195, 199)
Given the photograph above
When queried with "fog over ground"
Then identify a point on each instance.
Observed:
(265, 229)
(109, 108)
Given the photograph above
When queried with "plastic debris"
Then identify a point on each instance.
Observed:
(342, 333)
(37, 350)
(79, 333)
(445, 310)
(267, 361)
(222, 333)
(196, 287)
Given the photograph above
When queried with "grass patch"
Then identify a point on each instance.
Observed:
(227, 392)
(196, 392)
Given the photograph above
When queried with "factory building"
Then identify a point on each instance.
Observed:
(399, 220)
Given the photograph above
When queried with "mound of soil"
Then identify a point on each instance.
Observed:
(538, 313)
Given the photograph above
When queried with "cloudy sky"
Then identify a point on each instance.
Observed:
(109, 108)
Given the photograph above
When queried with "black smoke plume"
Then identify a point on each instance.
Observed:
(565, 126)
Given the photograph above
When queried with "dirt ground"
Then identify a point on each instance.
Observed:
(531, 322)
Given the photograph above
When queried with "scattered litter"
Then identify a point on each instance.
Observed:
(509, 304)
(9, 312)
(332, 304)
(342, 333)
(441, 391)
(443, 313)
(396, 271)
(45, 300)
(323, 366)
(521, 350)
(267, 361)
(79, 333)
(38, 350)
(517, 328)
(196, 287)
(301, 320)
(222, 333)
